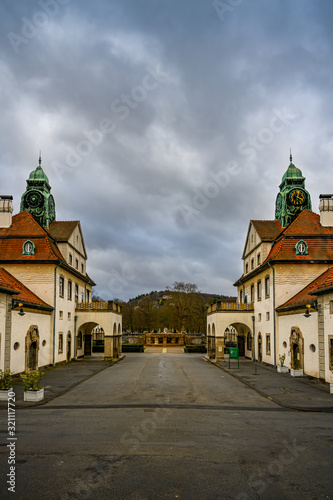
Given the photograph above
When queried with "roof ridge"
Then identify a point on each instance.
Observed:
(32, 219)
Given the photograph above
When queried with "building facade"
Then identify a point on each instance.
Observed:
(43, 267)
(281, 259)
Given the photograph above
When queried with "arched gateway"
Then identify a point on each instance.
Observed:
(108, 316)
(224, 317)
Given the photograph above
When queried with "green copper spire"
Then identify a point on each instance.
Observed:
(293, 197)
(37, 198)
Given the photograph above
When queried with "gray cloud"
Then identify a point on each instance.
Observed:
(178, 94)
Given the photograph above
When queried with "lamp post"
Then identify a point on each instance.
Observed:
(254, 345)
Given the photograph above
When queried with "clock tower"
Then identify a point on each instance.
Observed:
(293, 197)
(37, 199)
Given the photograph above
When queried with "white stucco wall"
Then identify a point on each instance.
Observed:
(20, 327)
(328, 329)
(2, 328)
(309, 329)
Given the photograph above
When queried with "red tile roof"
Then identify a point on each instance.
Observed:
(62, 230)
(23, 294)
(23, 228)
(268, 230)
(308, 294)
(307, 224)
(305, 227)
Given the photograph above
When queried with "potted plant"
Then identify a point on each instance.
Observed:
(281, 368)
(32, 390)
(295, 370)
(6, 384)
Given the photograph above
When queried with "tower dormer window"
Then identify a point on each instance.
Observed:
(301, 248)
(28, 248)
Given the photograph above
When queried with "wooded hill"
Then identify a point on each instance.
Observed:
(179, 308)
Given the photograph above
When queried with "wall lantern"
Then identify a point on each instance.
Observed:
(308, 307)
(20, 305)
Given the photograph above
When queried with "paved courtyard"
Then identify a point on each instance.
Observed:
(169, 426)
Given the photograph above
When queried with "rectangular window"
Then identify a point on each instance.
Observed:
(76, 292)
(60, 348)
(246, 268)
(69, 290)
(267, 286)
(70, 259)
(259, 259)
(252, 263)
(69, 315)
(61, 286)
(76, 264)
(259, 290)
(259, 316)
(267, 316)
(331, 306)
(252, 293)
(82, 268)
(268, 344)
(61, 314)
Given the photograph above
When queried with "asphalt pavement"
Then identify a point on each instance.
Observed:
(301, 393)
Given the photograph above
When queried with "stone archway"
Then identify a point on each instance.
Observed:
(31, 348)
(237, 334)
(296, 342)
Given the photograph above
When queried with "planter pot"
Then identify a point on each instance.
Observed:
(282, 369)
(331, 388)
(34, 395)
(4, 394)
(296, 373)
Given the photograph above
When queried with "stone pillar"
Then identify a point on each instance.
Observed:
(108, 348)
(219, 348)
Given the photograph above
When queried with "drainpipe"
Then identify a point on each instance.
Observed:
(75, 352)
(274, 320)
(55, 310)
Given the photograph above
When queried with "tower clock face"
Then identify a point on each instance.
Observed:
(34, 199)
(278, 202)
(297, 197)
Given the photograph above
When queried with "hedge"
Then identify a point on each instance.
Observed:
(132, 348)
(195, 348)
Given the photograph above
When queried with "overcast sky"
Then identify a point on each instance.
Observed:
(165, 126)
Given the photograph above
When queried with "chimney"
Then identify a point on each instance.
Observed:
(326, 210)
(6, 210)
